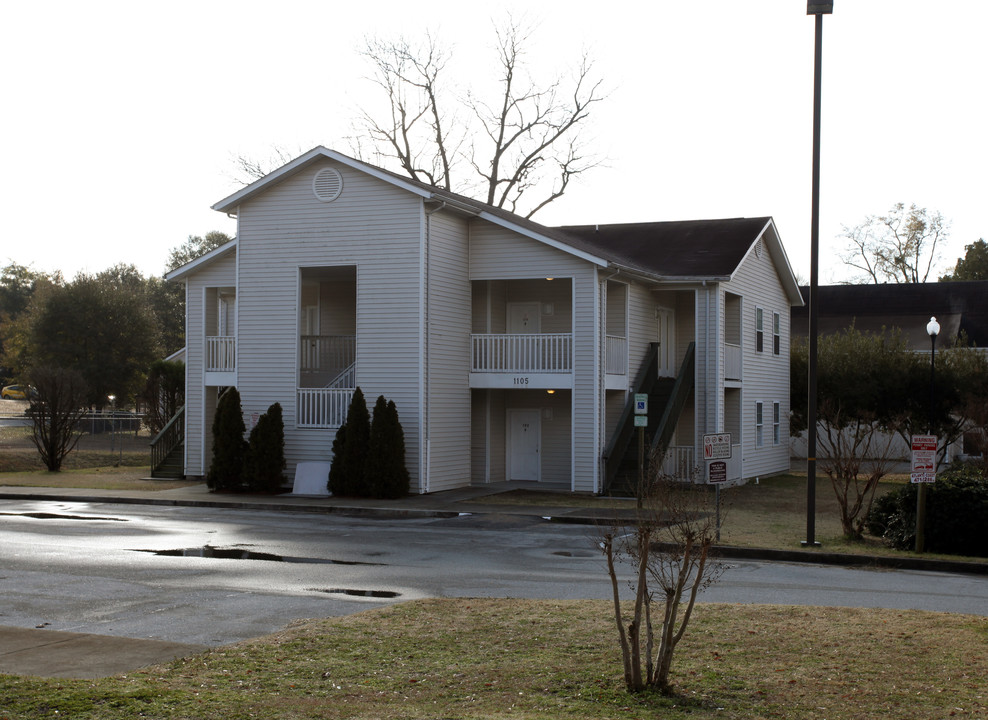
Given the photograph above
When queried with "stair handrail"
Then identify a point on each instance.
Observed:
(685, 381)
(171, 436)
(648, 373)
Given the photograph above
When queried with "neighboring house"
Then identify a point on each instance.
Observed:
(511, 349)
(961, 309)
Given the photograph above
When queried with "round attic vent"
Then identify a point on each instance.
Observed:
(327, 184)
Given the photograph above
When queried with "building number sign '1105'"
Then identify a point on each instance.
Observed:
(521, 381)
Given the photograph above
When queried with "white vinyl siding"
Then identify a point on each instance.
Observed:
(499, 254)
(372, 226)
(642, 328)
(765, 375)
(448, 354)
(199, 312)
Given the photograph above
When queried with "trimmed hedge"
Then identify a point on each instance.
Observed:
(956, 510)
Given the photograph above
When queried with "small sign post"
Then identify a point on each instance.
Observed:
(924, 466)
(717, 449)
(641, 422)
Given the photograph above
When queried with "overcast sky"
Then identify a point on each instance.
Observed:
(121, 120)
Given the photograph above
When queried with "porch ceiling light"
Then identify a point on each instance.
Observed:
(550, 392)
(549, 278)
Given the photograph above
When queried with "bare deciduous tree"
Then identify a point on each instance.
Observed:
(900, 246)
(56, 411)
(525, 145)
(668, 548)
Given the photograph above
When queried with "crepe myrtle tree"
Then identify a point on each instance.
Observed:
(667, 546)
(57, 407)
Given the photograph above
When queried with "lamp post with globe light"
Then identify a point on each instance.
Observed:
(932, 329)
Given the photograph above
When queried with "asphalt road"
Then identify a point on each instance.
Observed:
(141, 571)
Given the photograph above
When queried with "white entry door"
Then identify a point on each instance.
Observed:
(524, 318)
(524, 440)
(667, 342)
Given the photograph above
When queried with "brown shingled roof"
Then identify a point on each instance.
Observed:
(688, 248)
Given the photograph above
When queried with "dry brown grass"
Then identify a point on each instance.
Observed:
(484, 658)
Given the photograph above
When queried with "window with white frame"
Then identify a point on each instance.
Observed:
(776, 423)
(776, 333)
(759, 425)
(759, 329)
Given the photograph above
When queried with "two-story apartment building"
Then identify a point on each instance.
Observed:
(511, 349)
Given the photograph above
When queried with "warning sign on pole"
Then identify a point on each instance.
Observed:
(924, 468)
(717, 446)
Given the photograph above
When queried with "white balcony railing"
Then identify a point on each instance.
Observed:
(616, 355)
(326, 353)
(221, 353)
(732, 362)
(679, 463)
(540, 353)
(322, 407)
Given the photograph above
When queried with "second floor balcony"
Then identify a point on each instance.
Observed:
(539, 360)
(221, 360)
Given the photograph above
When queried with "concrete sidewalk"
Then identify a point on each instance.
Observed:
(46, 653)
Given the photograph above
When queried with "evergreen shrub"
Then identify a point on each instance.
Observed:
(226, 471)
(385, 474)
(265, 465)
(346, 475)
(956, 508)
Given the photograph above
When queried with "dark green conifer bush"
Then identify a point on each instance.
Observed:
(266, 452)
(226, 471)
(346, 476)
(385, 474)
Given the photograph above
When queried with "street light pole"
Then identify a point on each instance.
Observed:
(113, 437)
(932, 329)
(819, 9)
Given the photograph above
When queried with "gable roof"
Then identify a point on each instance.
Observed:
(202, 261)
(692, 250)
(957, 306)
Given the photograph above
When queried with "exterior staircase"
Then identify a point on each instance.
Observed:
(168, 448)
(666, 399)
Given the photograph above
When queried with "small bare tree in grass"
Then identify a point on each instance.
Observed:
(56, 411)
(855, 456)
(667, 545)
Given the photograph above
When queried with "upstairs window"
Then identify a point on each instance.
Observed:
(759, 330)
(776, 334)
(759, 425)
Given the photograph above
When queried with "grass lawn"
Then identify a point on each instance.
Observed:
(549, 659)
